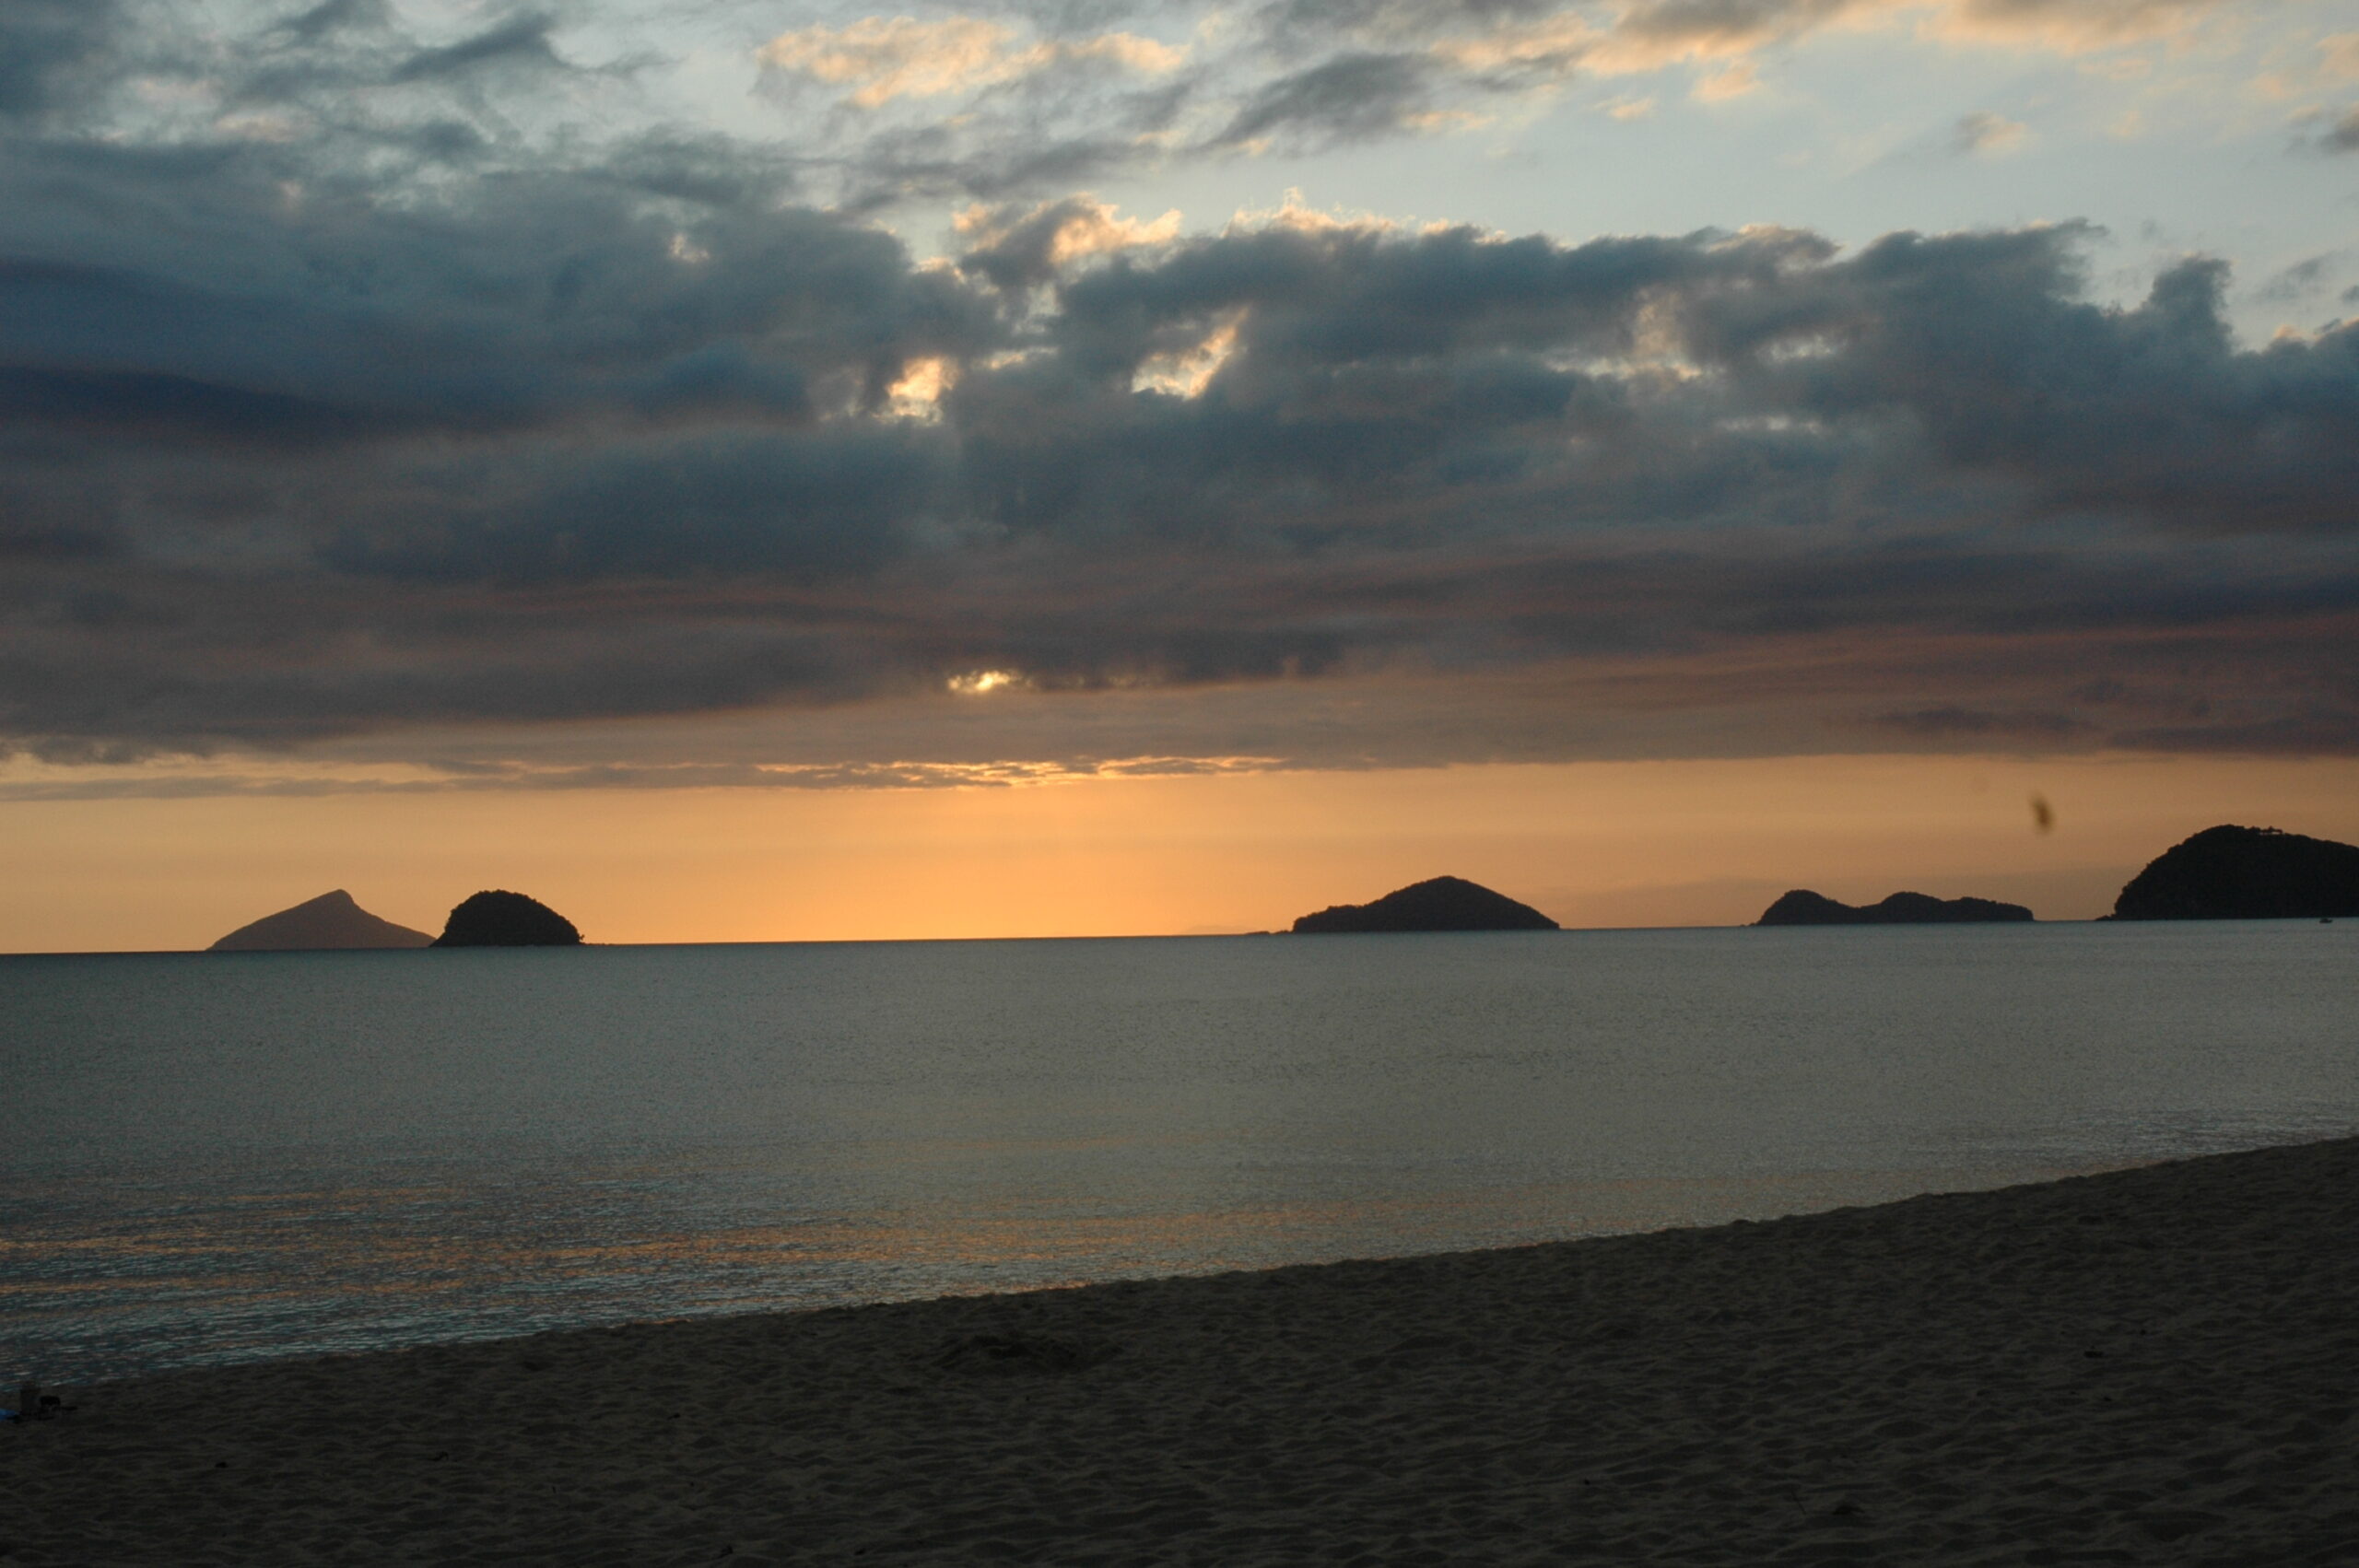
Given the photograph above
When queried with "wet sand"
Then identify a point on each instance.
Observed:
(2153, 1366)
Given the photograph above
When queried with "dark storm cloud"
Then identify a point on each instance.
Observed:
(333, 17)
(1351, 98)
(47, 46)
(2300, 281)
(925, 165)
(519, 42)
(1396, 17)
(709, 171)
(1976, 724)
(241, 312)
(1730, 23)
(791, 506)
(1020, 250)
(316, 438)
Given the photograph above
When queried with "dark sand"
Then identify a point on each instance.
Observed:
(2153, 1366)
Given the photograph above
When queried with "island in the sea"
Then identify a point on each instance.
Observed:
(331, 921)
(1440, 904)
(498, 918)
(2245, 873)
(1803, 907)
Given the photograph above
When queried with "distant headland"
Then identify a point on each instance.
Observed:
(501, 919)
(2245, 873)
(331, 921)
(1441, 904)
(1803, 907)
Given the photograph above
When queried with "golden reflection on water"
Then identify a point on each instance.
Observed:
(209, 1277)
(320, 1154)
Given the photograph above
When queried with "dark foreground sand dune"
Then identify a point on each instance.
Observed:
(2153, 1366)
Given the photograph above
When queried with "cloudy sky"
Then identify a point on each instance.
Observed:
(1085, 466)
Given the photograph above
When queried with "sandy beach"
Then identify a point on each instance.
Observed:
(2153, 1366)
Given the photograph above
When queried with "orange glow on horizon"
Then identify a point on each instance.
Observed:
(1592, 844)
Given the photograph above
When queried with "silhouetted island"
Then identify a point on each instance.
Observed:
(1443, 904)
(330, 921)
(2245, 873)
(501, 919)
(1803, 907)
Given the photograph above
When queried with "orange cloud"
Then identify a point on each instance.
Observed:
(886, 58)
(2065, 26)
(1081, 226)
(1655, 34)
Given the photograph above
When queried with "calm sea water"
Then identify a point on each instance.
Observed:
(211, 1158)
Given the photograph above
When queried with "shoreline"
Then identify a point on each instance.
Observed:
(2152, 1365)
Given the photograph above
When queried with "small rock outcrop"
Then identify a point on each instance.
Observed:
(501, 919)
(330, 921)
(2245, 873)
(1803, 907)
(1443, 904)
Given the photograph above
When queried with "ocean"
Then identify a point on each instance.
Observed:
(213, 1158)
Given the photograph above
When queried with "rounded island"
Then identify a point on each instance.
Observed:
(501, 919)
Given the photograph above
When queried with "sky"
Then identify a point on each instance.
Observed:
(758, 472)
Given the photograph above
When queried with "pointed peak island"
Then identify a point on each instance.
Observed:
(331, 921)
(1443, 903)
(1803, 907)
(498, 918)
